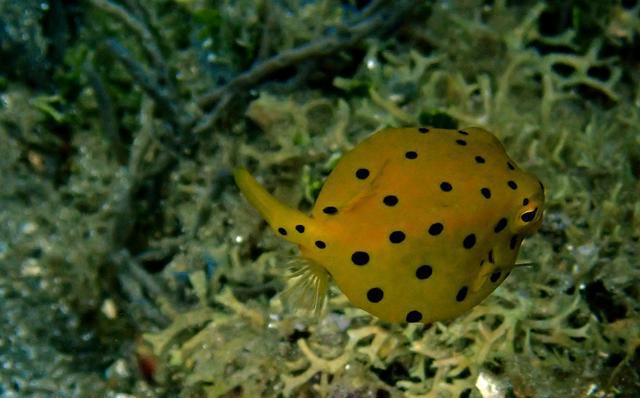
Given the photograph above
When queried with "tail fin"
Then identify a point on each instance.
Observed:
(308, 280)
(285, 221)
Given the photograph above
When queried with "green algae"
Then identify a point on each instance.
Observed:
(157, 249)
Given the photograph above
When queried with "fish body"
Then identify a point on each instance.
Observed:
(413, 224)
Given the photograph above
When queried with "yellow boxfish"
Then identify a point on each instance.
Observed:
(413, 224)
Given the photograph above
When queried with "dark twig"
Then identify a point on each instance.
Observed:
(108, 118)
(162, 249)
(136, 9)
(210, 118)
(162, 310)
(122, 218)
(315, 49)
(120, 205)
(147, 80)
(267, 29)
(217, 181)
(147, 40)
(155, 81)
(374, 7)
(378, 23)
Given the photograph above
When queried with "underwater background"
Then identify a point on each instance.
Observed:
(130, 266)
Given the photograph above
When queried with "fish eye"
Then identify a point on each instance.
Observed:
(528, 216)
(528, 219)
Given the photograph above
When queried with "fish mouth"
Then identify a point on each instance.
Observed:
(490, 269)
(500, 256)
(490, 257)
